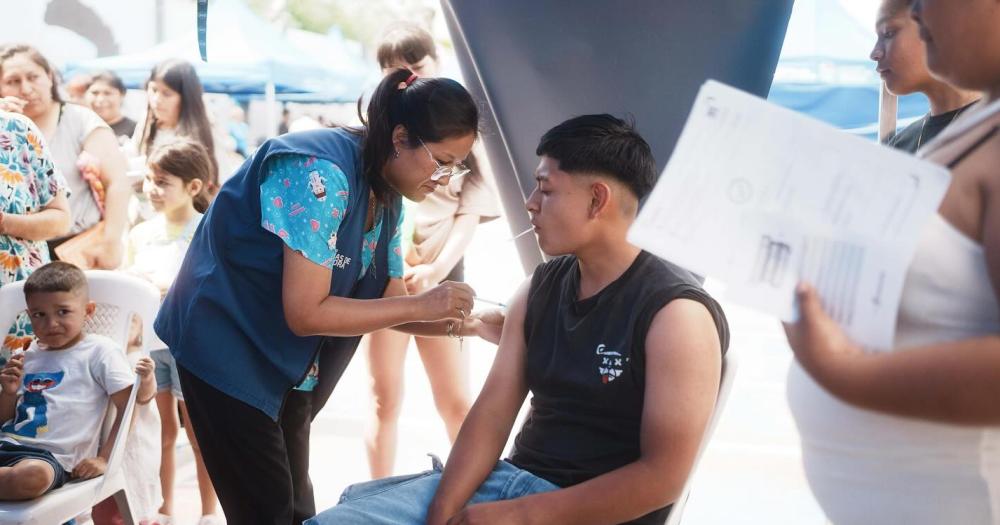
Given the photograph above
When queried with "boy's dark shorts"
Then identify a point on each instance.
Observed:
(11, 454)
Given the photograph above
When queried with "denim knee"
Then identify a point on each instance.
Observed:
(378, 486)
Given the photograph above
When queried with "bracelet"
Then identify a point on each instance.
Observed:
(461, 328)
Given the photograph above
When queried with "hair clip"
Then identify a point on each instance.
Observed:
(406, 83)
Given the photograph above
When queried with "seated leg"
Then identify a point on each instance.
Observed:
(397, 500)
(27, 479)
(404, 500)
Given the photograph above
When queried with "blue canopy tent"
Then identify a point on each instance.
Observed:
(337, 54)
(824, 71)
(245, 53)
(246, 56)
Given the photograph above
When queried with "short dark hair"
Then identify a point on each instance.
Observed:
(54, 277)
(602, 144)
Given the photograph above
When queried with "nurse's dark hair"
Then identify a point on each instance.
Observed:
(430, 109)
(603, 145)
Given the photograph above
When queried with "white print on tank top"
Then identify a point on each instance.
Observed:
(612, 364)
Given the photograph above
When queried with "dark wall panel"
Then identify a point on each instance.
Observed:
(535, 63)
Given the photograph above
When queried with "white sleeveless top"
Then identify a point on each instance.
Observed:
(867, 468)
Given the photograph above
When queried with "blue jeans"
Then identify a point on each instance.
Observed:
(402, 500)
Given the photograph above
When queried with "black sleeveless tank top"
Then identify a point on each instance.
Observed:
(586, 365)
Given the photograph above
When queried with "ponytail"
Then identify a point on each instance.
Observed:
(431, 109)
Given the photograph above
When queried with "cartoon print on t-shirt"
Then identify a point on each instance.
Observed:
(32, 412)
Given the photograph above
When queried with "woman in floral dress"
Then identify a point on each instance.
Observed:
(33, 208)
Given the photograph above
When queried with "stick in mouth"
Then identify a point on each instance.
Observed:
(522, 234)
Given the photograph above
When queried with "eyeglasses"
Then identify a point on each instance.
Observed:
(445, 170)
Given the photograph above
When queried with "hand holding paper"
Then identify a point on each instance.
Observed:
(761, 198)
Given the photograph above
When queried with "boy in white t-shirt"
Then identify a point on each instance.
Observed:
(53, 397)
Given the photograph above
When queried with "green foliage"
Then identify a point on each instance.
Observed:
(360, 20)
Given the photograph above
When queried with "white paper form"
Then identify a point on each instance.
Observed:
(761, 197)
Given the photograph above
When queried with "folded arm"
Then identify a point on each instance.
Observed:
(52, 221)
(102, 144)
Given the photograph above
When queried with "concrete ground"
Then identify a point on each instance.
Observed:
(750, 473)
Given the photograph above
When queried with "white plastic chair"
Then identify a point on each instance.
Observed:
(118, 297)
(729, 366)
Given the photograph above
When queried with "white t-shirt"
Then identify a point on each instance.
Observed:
(76, 123)
(156, 248)
(64, 396)
(156, 251)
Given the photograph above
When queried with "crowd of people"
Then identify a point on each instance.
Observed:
(68, 187)
(271, 278)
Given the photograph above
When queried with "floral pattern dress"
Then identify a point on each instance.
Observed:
(28, 182)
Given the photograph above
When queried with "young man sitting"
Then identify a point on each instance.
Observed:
(621, 351)
(53, 397)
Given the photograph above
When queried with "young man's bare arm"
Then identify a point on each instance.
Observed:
(487, 427)
(683, 364)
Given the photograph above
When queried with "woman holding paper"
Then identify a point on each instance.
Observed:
(911, 436)
(899, 54)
